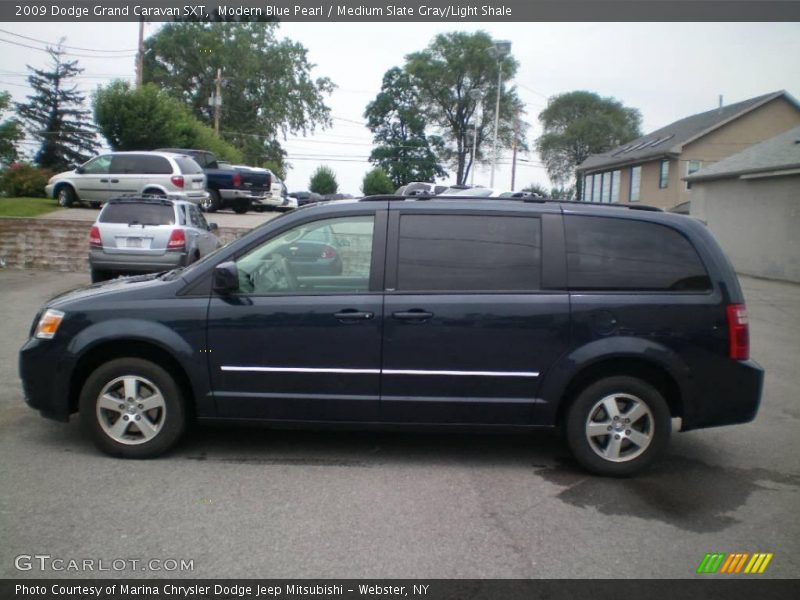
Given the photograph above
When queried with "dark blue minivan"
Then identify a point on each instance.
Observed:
(605, 321)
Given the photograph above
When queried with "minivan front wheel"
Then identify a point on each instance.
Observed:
(132, 408)
(618, 425)
(65, 196)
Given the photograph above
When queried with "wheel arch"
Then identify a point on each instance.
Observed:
(632, 366)
(649, 360)
(61, 184)
(111, 349)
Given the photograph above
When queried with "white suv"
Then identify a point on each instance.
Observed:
(130, 173)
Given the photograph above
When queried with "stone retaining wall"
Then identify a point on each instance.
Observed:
(57, 245)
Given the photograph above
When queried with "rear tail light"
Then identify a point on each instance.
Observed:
(94, 238)
(237, 179)
(328, 252)
(177, 240)
(177, 180)
(738, 332)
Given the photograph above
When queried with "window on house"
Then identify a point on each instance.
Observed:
(663, 174)
(606, 193)
(636, 182)
(596, 180)
(692, 166)
(586, 191)
(615, 175)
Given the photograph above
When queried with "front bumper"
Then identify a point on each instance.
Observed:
(49, 189)
(45, 372)
(256, 199)
(139, 263)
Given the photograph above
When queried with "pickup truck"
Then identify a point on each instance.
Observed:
(238, 188)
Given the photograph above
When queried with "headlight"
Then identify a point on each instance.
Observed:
(48, 324)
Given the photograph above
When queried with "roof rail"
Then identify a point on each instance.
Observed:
(530, 199)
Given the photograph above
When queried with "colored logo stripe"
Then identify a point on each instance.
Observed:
(733, 563)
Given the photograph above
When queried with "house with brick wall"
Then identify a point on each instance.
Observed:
(651, 169)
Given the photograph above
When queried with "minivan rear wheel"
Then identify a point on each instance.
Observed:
(132, 408)
(618, 425)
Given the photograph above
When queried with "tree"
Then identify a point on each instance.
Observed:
(455, 74)
(403, 150)
(55, 115)
(145, 118)
(267, 88)
(10, 133)
(377, 182)
(579, 124)
(537, 189)
(323, 181)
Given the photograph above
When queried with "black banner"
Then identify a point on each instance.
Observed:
(444, 11)
(733, 588)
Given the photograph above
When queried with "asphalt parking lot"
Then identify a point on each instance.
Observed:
(283, 504)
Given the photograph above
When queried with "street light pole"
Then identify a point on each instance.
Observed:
(500, 50)
(478, 96)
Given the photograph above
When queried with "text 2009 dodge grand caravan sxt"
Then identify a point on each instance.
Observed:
(606, 321)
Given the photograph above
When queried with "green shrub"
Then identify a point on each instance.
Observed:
(22, 179)
(323, 181)
(377, 182)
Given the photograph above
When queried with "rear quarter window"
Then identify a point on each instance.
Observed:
(623, 254)
(142, 214)
(189, 166)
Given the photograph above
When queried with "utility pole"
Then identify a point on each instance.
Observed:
(218, 102)
(140, 54)
(514, 152)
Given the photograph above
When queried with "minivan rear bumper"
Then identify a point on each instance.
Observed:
(104, 261)
(731, 394)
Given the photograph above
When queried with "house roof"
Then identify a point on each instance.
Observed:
(780, 153)
(672, 138)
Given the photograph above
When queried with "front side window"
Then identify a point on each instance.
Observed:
(663, 174)
(608, 254)
(449, 253)
(324, 256)
(636, 183)
(98, 166)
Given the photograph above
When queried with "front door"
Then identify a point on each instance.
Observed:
(469, 327)
(92, 184)
(301, 339)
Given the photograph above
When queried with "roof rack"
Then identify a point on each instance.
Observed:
(529, 200)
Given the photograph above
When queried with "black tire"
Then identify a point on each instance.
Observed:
(627, 447)
(240, 207)
(65, 196)
(95, 204)
(155, 193)
(98, 276)
(166, 420)
(213, 203)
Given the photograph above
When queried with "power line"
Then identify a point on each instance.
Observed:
(67, 53)
(25, 37)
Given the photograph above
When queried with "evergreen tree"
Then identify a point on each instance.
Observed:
(55, 115)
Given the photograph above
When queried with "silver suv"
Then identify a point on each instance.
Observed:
(118, 173)
(146, 234)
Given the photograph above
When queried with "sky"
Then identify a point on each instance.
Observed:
(666, 70)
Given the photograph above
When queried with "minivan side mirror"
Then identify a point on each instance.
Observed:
(226, 278)
(80, 170)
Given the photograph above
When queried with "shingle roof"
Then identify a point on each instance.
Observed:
(779, 153)
(670, 139)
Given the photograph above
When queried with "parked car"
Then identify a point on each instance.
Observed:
(304, 198)
(118, 173)
(607, 321)
(237, 188)
(145, 235)
(278, 198)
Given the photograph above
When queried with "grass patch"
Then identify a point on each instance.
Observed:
(26, 207)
